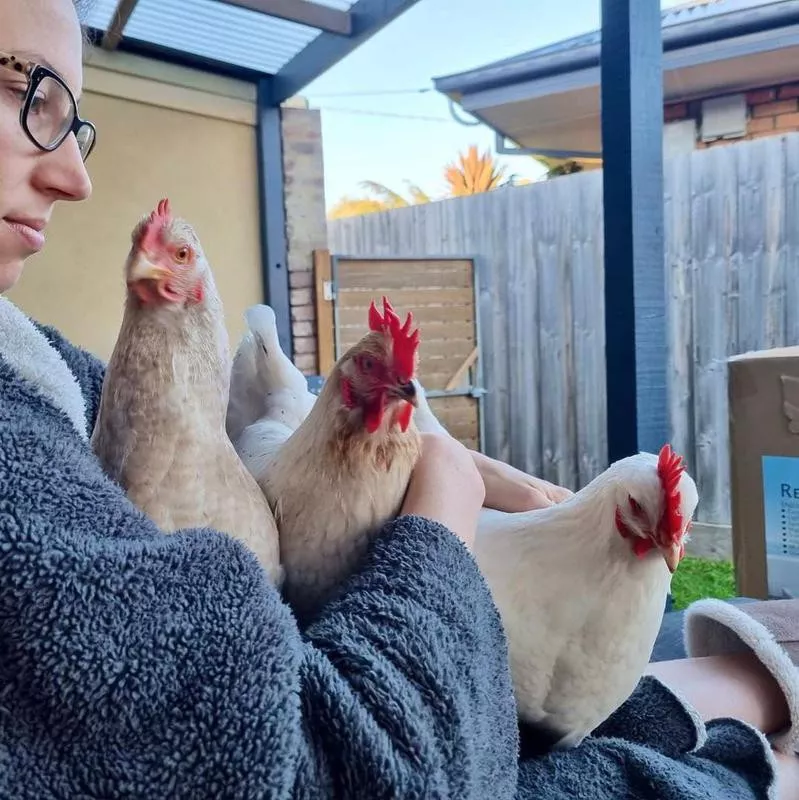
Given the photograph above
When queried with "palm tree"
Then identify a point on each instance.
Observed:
(382, 199)
(475, 173)
(472, 173)
(392, 199)
(355, 207)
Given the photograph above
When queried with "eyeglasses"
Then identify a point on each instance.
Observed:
(49, 111)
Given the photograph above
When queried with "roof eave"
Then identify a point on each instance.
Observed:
(697, 32)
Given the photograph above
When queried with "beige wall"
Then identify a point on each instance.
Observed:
(162, 131)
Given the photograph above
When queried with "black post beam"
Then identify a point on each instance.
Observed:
(273, 214)
(635, 293)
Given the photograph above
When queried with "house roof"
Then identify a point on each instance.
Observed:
(688, 24)
(548, 100)
(290, 42)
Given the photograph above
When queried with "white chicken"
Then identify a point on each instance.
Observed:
(426, 421)
(581, 587)
(269, 396)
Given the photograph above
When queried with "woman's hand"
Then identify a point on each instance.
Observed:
(446, 487)
(509, 489)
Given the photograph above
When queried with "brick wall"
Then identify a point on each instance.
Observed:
(306, 226)
(771, 110)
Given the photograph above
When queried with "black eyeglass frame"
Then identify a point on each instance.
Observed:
(35, 74)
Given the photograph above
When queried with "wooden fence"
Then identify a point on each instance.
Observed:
(732, 271)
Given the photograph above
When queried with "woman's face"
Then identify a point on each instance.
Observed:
(31, 180)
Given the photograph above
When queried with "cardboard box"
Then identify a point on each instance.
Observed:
(763, 391)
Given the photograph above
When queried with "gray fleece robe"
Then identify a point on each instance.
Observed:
(136, 664)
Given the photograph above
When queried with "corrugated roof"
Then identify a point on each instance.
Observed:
(215, 30)
(218, 31)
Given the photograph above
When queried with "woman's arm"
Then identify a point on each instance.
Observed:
(509, 489)
(87, 369)
(136, 663)
(427, 660)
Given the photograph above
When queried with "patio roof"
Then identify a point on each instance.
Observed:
(288, 42)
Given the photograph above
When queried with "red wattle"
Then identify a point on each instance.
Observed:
(372, 418)
(404, 416)
(373, 414)
(346, 394)
(642, 546)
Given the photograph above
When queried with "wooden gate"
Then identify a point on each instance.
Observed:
(441, 294)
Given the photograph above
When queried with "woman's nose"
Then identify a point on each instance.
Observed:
(62, 172)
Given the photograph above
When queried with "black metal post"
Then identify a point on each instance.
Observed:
(273, 214)
(635, 298)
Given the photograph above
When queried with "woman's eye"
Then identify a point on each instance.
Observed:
(37, 103)
(18, 92)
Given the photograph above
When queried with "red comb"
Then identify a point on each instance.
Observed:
(155, 223)
(405, 342)
(670, 470)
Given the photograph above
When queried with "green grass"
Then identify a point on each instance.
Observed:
(697, 578)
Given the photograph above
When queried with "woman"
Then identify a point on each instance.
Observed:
(137, 664)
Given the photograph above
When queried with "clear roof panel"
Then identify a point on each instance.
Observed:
(215, 30)
(100, 15)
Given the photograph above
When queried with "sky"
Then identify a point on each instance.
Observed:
(382, 120)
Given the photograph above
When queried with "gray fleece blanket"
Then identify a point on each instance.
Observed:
(135, 664)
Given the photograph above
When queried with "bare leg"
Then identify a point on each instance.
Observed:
(736, 686)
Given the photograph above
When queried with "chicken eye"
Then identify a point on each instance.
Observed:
(635, 506)
(182, 255)
(367, 364)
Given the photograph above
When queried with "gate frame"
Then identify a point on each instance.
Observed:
(477, 390)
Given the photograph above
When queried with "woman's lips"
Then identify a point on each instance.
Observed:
(30, 231)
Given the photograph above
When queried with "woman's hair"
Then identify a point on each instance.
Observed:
(83, 7)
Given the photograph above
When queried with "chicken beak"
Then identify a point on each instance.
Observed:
(144, 269)
(407, 391)
(672, 554)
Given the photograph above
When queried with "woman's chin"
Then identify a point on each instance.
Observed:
(10, 272)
